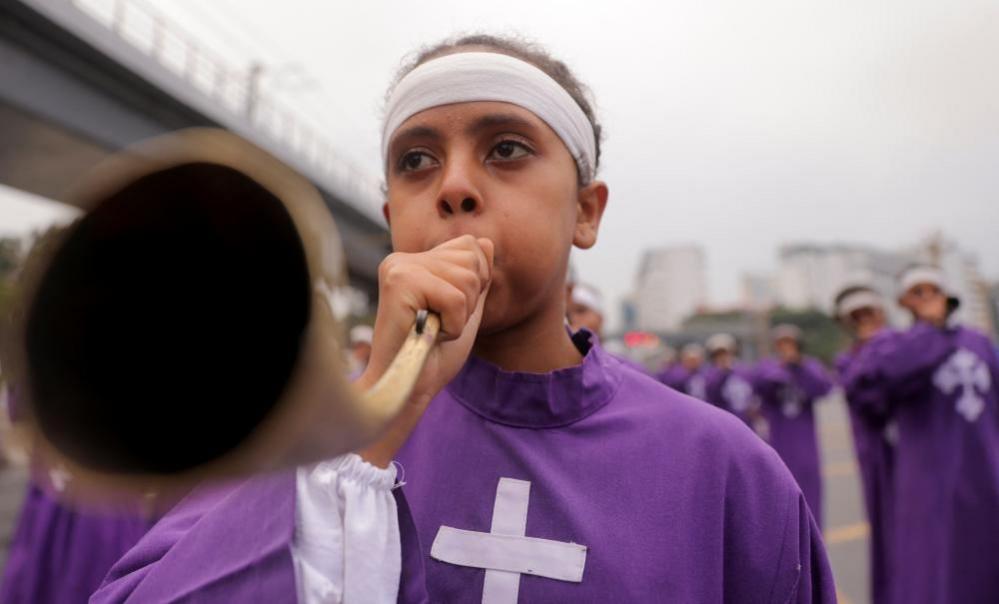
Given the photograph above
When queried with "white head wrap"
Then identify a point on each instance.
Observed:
(692, 350)
(921, 275)
(786, 331)
(861, 298)
(488, 76)
(721, 341)
(589, 297)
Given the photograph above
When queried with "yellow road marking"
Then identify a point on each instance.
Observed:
(846, 533)
(842, 599)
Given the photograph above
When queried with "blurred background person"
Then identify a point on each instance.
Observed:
(62, 547)
(688, 375)
(60, 553)
(861, 312)
(788, 387)
(729, 384)
(586, 309)
(936, 382)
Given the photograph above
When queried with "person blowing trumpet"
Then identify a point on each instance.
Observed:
(537, 467)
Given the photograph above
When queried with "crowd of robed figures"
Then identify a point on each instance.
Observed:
(923, 412)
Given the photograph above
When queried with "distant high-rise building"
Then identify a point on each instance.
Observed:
(759, 291)
(994, 307)
(671, 286)
(810, 276)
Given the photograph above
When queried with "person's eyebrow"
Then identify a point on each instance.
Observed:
(498, 120)
(416, 132)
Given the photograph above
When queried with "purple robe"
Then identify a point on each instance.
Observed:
(731, 390)
(232, 543)
(632, 364)
(60, 554)
(673, 376)
(681, 379)
(787, 393)
(939, 388)
(674, 501)
(872, 438)
(717, 518)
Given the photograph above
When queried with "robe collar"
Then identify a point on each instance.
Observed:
(540, 400)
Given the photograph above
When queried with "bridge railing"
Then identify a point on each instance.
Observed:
(234, 88)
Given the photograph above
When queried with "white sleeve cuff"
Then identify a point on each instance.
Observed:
(346, 546)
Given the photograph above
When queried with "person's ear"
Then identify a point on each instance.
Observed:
(385, 213)
(591, 202)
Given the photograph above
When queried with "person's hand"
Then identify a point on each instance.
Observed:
(451, 280)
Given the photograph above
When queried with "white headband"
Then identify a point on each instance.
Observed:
(857, 300)
(721, 341)
(588, 297)
(787, 331)
(488, 76)
(922, 274)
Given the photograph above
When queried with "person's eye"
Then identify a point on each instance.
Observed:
(509, 150)
(414, 161)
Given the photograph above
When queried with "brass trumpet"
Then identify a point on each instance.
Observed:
(189, 325)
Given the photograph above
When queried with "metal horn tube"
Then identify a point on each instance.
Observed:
(187, 325)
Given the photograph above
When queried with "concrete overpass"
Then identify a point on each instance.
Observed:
(78, 82)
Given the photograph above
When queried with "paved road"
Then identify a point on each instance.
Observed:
(846, 531)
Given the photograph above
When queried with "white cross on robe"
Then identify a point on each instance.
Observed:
(738, 393)
(966, 371)
(505, 552)
(697, 387)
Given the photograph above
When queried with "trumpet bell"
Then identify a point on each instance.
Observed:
(188, 325)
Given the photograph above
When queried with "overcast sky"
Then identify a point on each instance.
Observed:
(735, 125)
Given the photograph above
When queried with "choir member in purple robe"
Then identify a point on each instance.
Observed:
(729, 384)
(537, 467)
(937, 383)
(689, 375)
(788, 387)
(860, 309)
(586, 311)
(60, 554)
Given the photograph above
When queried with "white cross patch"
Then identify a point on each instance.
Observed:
(505, 552)
(697, 387)
(966, 371)
(738, 393)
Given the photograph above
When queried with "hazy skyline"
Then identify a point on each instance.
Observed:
(736, 126)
